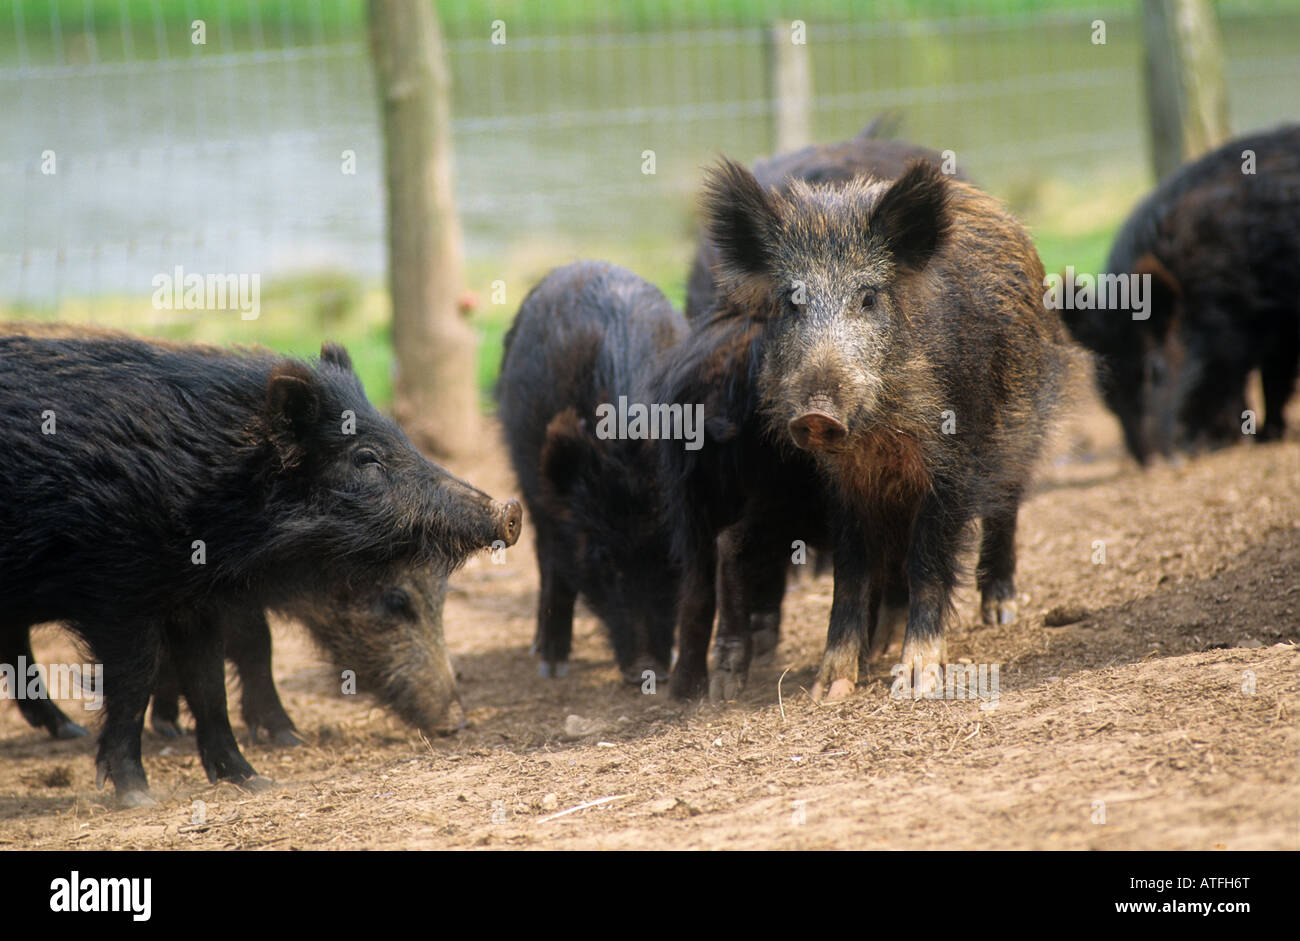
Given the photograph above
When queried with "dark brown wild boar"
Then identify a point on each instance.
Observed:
(908, 350)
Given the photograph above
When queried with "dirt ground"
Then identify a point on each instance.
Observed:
(1163, 717)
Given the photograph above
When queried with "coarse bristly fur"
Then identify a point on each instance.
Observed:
(151, 486)
(869, 153)
(908, 350)
(737, 506)
(586, 335)
(1221, 248)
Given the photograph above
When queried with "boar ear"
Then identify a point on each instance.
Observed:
(565, 450)
(1162, 295)
(739, 219)
(912, 215)
(292, 407)
(335, 355)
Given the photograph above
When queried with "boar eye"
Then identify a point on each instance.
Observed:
(398, 602)
(791, 304)
(869, 299)
(363, 457)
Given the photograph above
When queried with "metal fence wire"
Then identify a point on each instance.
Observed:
(131, 146)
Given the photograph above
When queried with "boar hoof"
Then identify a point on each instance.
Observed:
(730, 671)
(687, 685)
(67, 729)
(725, 686)
(257, 784)
(449, 722)
(167, 728)
(136, 799)
(277, 737)
(553, 669)
(286, 738)
(918, 657)
(841, 688)
(839, 673)
(996, 611)
(635, 675)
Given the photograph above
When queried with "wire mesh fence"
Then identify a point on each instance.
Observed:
(234, 136)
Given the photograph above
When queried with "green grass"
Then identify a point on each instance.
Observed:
(1085, 251)
(297, 315)
(53, 29)
(464, 17)
(472, 17)
(491, 334)
(137, 30)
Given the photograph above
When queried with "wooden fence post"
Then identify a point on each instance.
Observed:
(1187, 98)
(435, 388)
(789, 85)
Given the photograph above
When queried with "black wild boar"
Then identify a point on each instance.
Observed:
(389, 636)
(737, 505)
(151, 489)
(907, 349)
(867, 154)
(1221, 249)
(581, 344)
(247, 644)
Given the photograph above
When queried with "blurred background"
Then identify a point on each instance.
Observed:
(231, 155)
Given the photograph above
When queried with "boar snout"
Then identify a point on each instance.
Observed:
(818, 430)
(452, 721)
(510, 520)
